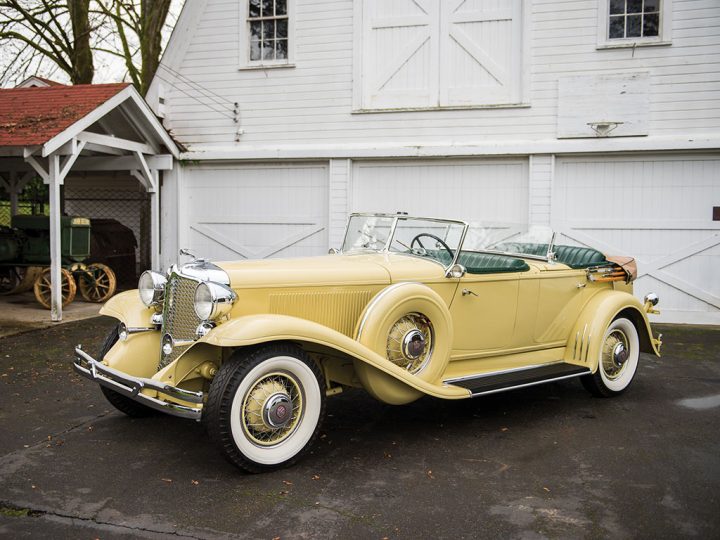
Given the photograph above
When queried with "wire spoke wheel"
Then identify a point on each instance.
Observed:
(272, 408)
(43, 288)
(410, 342)
(614, 354)
(97, 282)
(265, 406)
(618, 360)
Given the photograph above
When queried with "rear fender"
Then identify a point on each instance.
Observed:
(583, 345)
(388, 383)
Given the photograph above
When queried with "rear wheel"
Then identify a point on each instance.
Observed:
(618, 362)
(265, 407)
(18, 279)
(121, 403)
(97, 282)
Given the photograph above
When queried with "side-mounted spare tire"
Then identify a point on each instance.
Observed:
(409, 325)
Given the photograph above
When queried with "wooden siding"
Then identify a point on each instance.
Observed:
(311, 104)
(254, 211)
(656, 208)
(472, 189)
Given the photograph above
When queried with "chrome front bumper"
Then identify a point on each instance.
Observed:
(131, 387)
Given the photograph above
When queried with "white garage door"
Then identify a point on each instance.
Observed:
(476, 190)
(255, 211)
(658, 209)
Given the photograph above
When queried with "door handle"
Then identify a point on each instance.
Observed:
(465, 292)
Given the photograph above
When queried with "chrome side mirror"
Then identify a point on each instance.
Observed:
(455, 271)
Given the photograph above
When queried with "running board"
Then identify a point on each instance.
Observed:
(502, 381)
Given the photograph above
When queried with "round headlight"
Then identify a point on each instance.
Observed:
(151, 287)
(213, 300)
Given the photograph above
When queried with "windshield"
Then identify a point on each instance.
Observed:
(437, 239)
(440, 239)
(512, 238)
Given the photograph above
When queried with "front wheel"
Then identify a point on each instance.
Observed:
(618, 362)
(122, 403)
(265, 407)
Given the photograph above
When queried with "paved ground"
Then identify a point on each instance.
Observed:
(21, 312)
(545, 462)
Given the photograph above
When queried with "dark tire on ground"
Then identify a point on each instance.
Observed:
(618, 362)
(265, 407)
(121, 403)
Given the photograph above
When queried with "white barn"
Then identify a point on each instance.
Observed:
(600, 118)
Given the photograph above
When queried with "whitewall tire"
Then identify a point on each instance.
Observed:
(265, 407)
(618, 360)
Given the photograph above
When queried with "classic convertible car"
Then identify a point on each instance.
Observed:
(408, 307)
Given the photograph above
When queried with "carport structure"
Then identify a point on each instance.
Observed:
(51, 131)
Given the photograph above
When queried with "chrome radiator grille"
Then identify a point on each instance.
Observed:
(179, 319)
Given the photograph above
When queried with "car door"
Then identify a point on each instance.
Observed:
(561, 293)
(484, 309)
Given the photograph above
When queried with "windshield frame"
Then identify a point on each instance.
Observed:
(549, 256)
(402, 216)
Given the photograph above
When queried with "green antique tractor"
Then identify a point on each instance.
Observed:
(25, 260)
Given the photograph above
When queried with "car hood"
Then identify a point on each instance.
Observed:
(330, 270)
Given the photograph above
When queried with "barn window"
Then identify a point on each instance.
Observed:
(634, 22)
(266, 33)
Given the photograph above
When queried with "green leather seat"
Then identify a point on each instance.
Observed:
(573, 256)
(579, 257)
(489, 263)
(483, 263)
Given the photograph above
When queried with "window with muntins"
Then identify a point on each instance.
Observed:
(634, 19)
(268, 24)
(634, 23)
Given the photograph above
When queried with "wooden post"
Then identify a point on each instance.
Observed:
(155, 222)
(14, 191)
(54, 180)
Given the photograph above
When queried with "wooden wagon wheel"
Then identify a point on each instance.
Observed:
(97, 283)
(18, 279)
(42, 287)
(31, 274)
(10, 278)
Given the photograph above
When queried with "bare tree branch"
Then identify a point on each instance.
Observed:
(69, 34)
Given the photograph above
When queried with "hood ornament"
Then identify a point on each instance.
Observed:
(195, 258)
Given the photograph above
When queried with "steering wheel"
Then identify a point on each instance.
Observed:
(438, 240)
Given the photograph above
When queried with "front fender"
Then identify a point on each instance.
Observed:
(128, 308)
(255, 329)
(583, 346)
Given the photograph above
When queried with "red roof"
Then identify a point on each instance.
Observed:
(33, 116)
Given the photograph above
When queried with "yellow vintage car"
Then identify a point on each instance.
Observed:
(407, 307)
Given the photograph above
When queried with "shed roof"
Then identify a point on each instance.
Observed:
(33, 116)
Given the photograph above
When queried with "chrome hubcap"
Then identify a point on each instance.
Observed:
(413, 344)
(410, 342)
(277, 410)
(620, 354)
